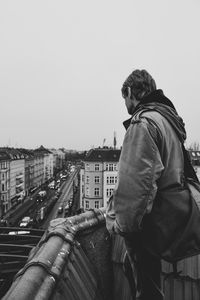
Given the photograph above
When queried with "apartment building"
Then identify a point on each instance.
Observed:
(195, 159)
(47, 162)
(58, 159)
(98, 177)
(29, 170)
(38, 168)
(4, 181)
(21, 171)
(17, 176)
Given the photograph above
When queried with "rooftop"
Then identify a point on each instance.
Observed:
(103, 155)
(12, 153)
(76, 259)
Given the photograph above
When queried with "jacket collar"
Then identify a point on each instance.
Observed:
(158, 102)
(155, 96)
(126, 123)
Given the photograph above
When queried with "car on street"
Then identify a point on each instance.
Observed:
(3, 223)
(26, 222)
(42, 193)
(60, 210)
(18, 232)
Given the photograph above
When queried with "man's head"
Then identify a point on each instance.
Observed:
(138, 85)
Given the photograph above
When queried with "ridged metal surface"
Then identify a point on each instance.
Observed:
(74, 260)
(189, 267)
(44, 269)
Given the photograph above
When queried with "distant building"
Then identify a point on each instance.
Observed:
(195, 159)
(38, 168)
(47, 162)
(15, 177)
(98, 177)
(58, 159)
(4, 181)
(29, 170)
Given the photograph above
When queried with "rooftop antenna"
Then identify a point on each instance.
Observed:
(115, 140)
(104, 140)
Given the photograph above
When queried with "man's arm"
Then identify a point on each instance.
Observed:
(139, 168)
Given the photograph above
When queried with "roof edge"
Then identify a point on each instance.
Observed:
(46, 261)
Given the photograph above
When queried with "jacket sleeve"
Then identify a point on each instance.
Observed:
(140, 167)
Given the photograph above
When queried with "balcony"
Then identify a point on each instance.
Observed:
(77, 260)
(18, 185)
(18, 176)
(19, 192)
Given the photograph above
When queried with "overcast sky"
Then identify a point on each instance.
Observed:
(62, 65)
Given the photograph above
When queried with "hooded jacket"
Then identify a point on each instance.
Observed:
(151, 165)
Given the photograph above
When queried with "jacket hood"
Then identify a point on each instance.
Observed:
(157, 101)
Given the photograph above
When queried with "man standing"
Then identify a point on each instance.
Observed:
(151, 165)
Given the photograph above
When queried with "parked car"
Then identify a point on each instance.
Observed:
(60, 210)
(52, 185)
(42, 193)
(25, 222)
(18, 232)
(67, 207)
(3, 223)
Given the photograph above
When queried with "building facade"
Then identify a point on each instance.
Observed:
(45, 158)
(98, 177)
(29, 170)
(4, 182)
(195, 159)
(17, 177)
(58, 159)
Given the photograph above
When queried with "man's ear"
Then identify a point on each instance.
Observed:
(129, 92)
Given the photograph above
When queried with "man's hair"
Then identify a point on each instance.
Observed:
(141, 84)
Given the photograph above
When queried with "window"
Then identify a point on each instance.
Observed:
(87, 179)
(3, 165)
(115, 167)
(2, 187)
(96, 204)
(96, 167)
(96, 192)
(110, 180)
(87, 204)
(109, 192)
(87, 167)
(109, 167)
(3, 176)
(115, 179)
(96, 179)
(87, 191)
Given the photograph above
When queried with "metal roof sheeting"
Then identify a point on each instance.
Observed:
(51, 262)
(189, 267)
(74, 260)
